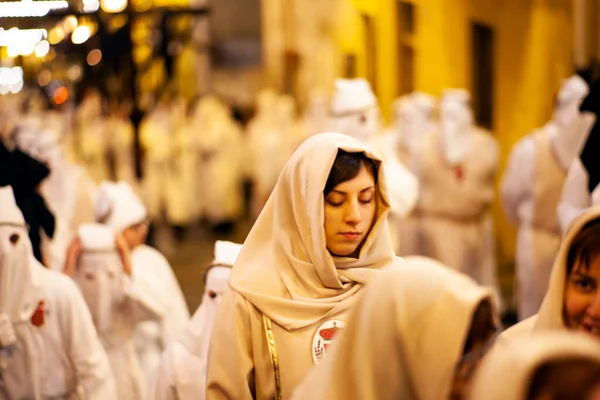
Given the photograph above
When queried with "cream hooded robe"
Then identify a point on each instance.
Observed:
(404, 338)
(550, 316)
(285, 273)
(507, 371)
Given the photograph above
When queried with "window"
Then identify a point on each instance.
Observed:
(371, 50)
(406, 52)
(483, 74)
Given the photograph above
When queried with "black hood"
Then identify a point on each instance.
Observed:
(590, 155)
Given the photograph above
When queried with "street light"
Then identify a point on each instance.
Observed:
(80, 34)
(42, 48)
(113, 6)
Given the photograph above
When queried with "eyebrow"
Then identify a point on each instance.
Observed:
(581, 273)
(344, 193)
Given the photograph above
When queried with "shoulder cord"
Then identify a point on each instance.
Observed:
(273, 352)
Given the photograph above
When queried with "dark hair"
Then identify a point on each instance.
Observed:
(585, 247)
(347, 166)
(568, 378)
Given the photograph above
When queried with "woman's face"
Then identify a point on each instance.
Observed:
(349, 211)
(582, 298)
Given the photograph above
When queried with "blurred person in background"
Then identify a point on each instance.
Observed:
(91, 135)
(25, 174)
(413, 121)
(316, 115)
(457, 169)
(531, 188)
(182, 371)
(119, 208)
(120, 137)
(99, 261)
(581, 189)
(219, 169)
(49, 348)
(264, 158)
(68, 190)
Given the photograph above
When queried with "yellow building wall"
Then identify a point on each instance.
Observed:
(533, 42)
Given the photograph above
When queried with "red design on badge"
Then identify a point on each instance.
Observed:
(329, 333)
(324, 338)
(38, 317)
(459, 172)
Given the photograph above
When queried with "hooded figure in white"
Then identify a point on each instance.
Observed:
(68, 190)
(157, 141)
(413, 121)
(354, 112)
(182, 371)
(92, 137)
(531, 189)
(120, 137)
(219, 151)
(267, 145)
(549, 365)
(316, 116)
(49, 348)
(118, 207)
(100, 264)
(581, 189)
(457, 169)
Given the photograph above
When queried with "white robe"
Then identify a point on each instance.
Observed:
(67, 359)
(219, 171)
(266, 154)
(138, 306)
(537, 245)
(576, 197)
(93, 146)
(160, 179)
(454, 207)
(182, 371)
(156, 279)
(69, 192)
(120, 136)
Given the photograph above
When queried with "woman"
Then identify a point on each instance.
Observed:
(417, 333)
(320, 237)
(546, 366)
(573, 292)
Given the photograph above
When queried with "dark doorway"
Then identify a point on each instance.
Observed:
(406, 53)
(371, 50)
(483, 74)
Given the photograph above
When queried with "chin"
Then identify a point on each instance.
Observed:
(343, 251)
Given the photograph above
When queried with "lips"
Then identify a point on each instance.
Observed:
(351, 235)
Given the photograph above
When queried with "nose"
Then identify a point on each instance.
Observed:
(352, 215)
(593, 309)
